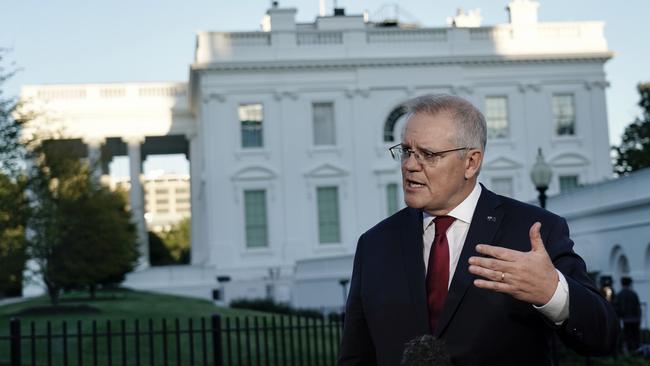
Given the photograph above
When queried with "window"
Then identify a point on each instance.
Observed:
(496, 114)
(324, 130)
(502, 186)
(393, 123)
(255, 217)
(329, 230)
(250, 118)
(181, 190)
(392, 198)
(162, 201)
(568, 182)
(564, 114)
(161, 191)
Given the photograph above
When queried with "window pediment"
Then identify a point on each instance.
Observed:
(326, 170)
(569, 159)
(502, 163)
(257, 172)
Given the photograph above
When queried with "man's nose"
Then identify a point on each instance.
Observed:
(412, 163)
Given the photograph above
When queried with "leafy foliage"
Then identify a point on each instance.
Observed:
(270, 306)
(13, 202)
(13, 217)
(634, 152)
(177, 241)
(159, 254)
(82, 235)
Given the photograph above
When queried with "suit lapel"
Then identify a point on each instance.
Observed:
(412, 249)
(485, 222)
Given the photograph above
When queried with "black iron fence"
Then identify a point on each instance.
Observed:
(277, 340)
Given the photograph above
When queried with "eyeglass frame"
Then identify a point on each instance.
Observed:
(425, 156)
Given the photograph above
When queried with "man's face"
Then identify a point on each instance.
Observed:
(440, 187)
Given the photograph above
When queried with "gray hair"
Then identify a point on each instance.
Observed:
(471, 130)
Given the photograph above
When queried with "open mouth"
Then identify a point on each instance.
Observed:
(414, 184)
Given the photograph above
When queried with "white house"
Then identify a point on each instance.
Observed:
(287, 130)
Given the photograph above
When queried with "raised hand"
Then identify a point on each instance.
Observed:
(527, 276)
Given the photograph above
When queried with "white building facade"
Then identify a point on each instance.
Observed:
(295, 122)
(288, 128)
(610, 226)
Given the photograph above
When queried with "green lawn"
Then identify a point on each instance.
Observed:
(123, 307)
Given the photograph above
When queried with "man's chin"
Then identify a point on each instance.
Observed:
(413, 202)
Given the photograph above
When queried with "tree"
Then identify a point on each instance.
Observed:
(634, 152)
(13, 217)
(177, 241)
(82, 236)
(11, 149)
(13, 202)
(159, 254)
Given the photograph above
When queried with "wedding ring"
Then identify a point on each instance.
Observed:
(503, 276)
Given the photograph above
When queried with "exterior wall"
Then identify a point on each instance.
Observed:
(610, 225)
(100, 111)
(366, 73)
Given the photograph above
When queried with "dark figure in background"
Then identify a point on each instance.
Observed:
(628, 309)
(607, 288)
(491, 276)
(426, 351)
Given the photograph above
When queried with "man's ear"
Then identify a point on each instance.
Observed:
(473, 161)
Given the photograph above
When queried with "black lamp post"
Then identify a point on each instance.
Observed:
(541, 175)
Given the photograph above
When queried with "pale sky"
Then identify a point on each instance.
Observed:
(81, 41)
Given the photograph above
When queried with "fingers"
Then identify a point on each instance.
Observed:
(497, 276)
(501, 253)
(495, 286)
(490, 264)
(536, 242)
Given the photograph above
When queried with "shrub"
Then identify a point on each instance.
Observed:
(270, 306)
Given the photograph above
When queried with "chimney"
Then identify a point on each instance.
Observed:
(522, 12)
(280, 19)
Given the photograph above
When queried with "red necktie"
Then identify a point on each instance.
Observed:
(438, 270)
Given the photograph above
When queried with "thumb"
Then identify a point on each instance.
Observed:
(536, 242)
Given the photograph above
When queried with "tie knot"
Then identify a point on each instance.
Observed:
(442, 224)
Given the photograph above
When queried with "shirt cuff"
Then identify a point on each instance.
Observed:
(557, 309)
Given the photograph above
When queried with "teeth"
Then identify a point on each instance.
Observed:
(416, 185)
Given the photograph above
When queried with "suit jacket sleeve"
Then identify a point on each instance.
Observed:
(356, 344)
(592, 327)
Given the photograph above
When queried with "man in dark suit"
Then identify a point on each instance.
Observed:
(628, 307)
(491, 276)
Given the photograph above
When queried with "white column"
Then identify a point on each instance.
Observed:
(200, 251)
(94, 157)
(137, 200)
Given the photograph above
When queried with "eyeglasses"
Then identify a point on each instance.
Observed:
(425, 157)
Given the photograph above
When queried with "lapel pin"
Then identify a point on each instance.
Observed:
(492, 218)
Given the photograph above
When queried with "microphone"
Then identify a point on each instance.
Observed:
(426, 350)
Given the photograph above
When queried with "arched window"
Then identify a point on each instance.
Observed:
(394, 124)
(616, 252)
(622, 266)
(619, 264)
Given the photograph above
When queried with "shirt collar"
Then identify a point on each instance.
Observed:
(463, 212)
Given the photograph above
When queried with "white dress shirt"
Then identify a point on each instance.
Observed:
(556, 310)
